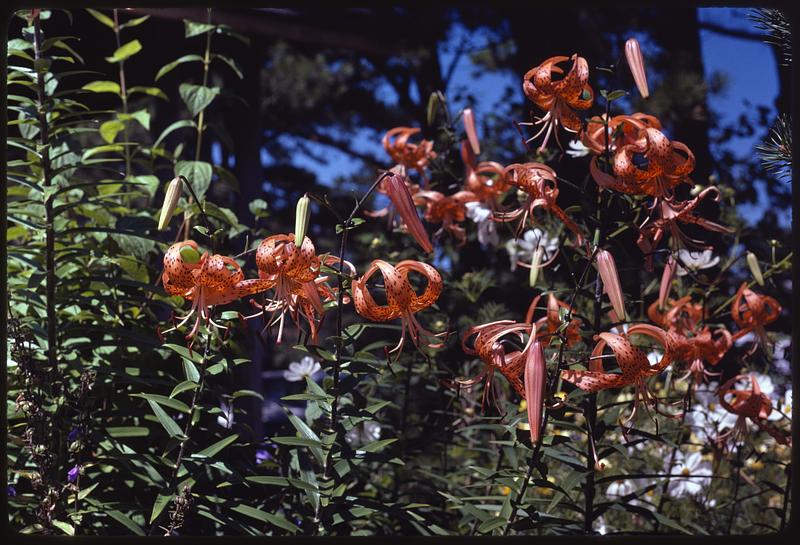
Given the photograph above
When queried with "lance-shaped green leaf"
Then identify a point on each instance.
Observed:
(126, 51)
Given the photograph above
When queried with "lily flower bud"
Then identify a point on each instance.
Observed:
(435, 101)
(666, 280)
(633, 54)
(536, 262)
(301, 219)
(755, 269)
(472, 134)
(608, 274)
(404, 203)
(535, 377)
(171, 198)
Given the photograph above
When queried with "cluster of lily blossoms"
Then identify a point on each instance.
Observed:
(629, 154)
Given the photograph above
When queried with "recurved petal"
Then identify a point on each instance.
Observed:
(593, 381)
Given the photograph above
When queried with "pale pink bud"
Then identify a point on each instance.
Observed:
(472, 134)
(535, 377)
(608, 274)
(666, 280)
(401, 197)
(636, 63)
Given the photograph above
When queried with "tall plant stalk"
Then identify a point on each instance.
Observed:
(123, 93)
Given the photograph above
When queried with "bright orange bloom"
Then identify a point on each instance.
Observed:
(489, 343)
(632, 361)
(447, 210)
(752, 311)
(559, 98)
(486, 180)
(539, 182)
(749, 403)
(691, 341)
(295, 274)
(402, 301)
(406, 154)
(622, 130)
(550, 323)
(668, 165)
(211, 280)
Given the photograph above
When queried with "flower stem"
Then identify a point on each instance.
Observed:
(123, 93)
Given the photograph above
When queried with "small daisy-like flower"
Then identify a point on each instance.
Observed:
(695, 475)
(306, 367)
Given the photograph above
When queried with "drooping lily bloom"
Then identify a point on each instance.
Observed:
(667, 164)
(489, 342)
(539, 182)
(669, 215)
(447, 210)
(207, 281)
(632, 361)
(752, 311)
(550, 323)
(486, 180)
(294, 272)
(406, 154)
(622, 130)
(749, 403)
(558, 98)
(401, 299)
(692, 342)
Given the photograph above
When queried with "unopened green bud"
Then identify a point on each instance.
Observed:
(301, 219)
(755, 269)
(171, 198)
(190, 255)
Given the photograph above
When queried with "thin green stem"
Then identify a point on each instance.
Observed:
(123, 93)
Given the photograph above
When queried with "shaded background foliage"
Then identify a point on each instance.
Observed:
(303, 103)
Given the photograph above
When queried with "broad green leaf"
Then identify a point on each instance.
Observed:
(183, 352)
(126, 51)
(377, 446)
(166, 421)
(190, 28)
(65, 527)
(263, 516)
(161, 501)
(197, 97)
(105, 19)
(167, 68)
(151, 91)
(198, 173)
(143, 117)
(247, 393)
(135, 22)
(491, 524)
(173, 127)
(103, 86)
(126, 521)
(127, 431)
(110, 129)
(183, 386)
(217, 447)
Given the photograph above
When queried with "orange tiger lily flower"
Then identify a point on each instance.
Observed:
(752, 311)
(406, 154)
(668, 165)
(489, 342)
(622, 130)
(401, 299)
(671, 215)
(550, 323)
(749, 403)
(447, 210)
(539, 182)
(486, 180)
(295, 274)
(558, 98)
(211, 280)
(632, 361)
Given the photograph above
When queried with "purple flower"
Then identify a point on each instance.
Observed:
(73, 473)
(262, 456)
(73, 435)
(12, 492)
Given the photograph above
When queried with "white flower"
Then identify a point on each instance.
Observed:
(522, 249)
(602, 527)
(708, 416)
(226, 418)
(367, 432)
(577, 149)
(306, 367)
(487, 227)
(695, 475)
(618, 489)
(783, 347)
(694, 261)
